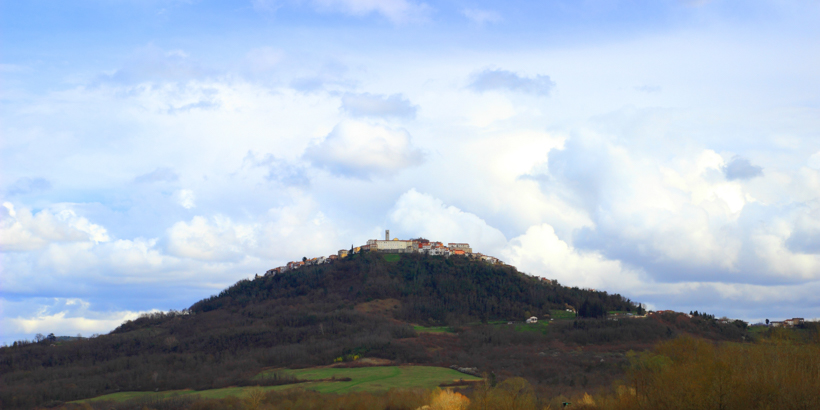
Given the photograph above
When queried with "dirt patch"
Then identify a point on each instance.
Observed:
(365, 362)
(382, 307)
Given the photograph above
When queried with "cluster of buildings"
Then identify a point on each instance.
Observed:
(788, 322)
(395, 245)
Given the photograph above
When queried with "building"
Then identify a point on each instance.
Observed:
(394, 246)
(342, 253)
(532, 320)
(465, 247)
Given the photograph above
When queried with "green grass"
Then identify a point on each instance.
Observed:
(434, 329)
(392, 257)
(561, 315)
(541, 326)
(370, 379)
(374, 379)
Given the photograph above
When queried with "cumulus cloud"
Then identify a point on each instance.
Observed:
(27, 185)
(370, 105)
(741, 168)
(539, 251)
(61, 316)
(416, 214)
(162, 174)
(491, 80)
(680, 221)
(482, 16)
(20, 230)
(363, 150)
(211, 239)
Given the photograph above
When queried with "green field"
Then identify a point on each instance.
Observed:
(377, 378)
(561, 315)
(433, 329)
(541, 326)
(371, 379)
(208, 394)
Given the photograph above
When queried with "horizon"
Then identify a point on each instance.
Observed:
(154, 153)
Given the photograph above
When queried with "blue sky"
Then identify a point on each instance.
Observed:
(154, 152)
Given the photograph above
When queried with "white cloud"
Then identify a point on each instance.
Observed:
(61, 316)
(540, 252)
(416, 214)
(362, 150)
(185, 198)
(216, 239)
(20, 230)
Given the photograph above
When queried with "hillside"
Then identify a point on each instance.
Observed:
(408, 309)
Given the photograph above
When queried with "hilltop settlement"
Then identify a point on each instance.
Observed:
(419, 245)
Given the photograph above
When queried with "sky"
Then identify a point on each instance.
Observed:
(154, 152)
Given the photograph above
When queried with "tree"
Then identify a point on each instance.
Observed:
(767, 322)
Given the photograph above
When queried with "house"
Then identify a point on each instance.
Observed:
(532, 320)
(776, 324)
(439, 250)
(460, 246)
(794, 322)
(342, 253)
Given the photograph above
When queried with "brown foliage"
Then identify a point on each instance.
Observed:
(692, 373)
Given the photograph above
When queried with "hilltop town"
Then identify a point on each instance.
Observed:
(418, 245)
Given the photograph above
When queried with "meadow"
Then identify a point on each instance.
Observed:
(362, 379)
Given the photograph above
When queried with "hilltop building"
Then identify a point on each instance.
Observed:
(419, 245)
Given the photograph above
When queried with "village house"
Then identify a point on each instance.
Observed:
(464, 247)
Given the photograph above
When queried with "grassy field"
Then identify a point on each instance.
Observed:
(372, 379)
(561, 315)
(392, 257)
(377, 378)
(532, 327)
(434, 329)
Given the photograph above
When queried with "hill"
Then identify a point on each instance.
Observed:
(414, 309)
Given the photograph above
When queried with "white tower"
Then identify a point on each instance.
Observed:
(387, 235)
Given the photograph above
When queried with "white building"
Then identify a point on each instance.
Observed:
(394, 246)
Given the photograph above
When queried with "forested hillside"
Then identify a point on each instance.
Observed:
(363, 306)
(434, 290)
